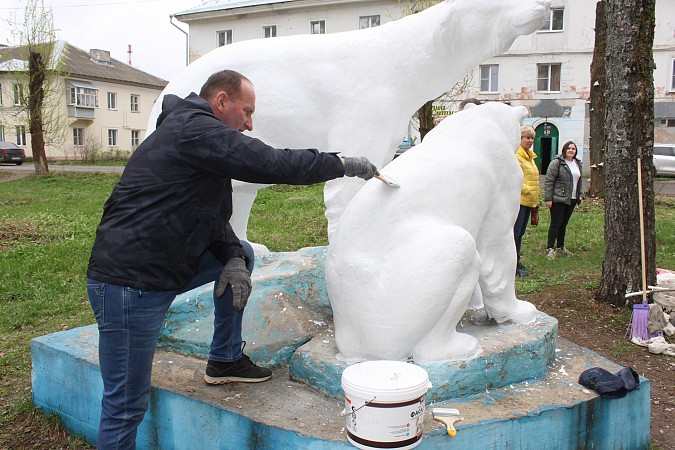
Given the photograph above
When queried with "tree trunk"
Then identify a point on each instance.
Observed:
(37, 74)
(629, 133)
(426, 117)
(597, 113)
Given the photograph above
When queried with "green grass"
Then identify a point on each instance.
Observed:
(47, 227)
(289, 217)
(585, 238)
(104, 163)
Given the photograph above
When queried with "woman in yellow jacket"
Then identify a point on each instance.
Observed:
(529, 192)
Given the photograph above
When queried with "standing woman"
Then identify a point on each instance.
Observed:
(529, 192)
(562, 192)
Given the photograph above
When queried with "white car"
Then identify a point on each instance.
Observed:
(664, 160)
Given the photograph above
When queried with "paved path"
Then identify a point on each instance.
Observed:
(29, 167)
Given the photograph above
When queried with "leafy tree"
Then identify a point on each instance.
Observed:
(38, 66)
(629, 134)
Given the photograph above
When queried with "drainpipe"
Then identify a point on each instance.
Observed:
(187, 42)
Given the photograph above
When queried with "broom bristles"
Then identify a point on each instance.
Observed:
(638, 326)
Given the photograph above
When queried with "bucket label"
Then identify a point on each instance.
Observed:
(372, 424)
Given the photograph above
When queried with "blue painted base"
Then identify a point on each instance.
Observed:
(511, 353)
(552, 413)
(520, 393)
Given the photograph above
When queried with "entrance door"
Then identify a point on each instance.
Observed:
(545, 145)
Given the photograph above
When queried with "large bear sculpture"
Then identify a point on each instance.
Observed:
(354, 92)
(405, 262)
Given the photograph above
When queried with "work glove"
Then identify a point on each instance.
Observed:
(359, 167)
(236, 275)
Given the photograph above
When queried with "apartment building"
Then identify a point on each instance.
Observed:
(547, 71)
(106, 103)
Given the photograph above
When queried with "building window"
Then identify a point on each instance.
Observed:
(78, 136)
(135, 138)
(317, 26)
(548, 77)
(554, 21)
(79, 96)
(270, 31)
(2, 133)
(112, 100)
(224, 37)
(20, 135)
(672, 80)
(489, 78)
(112, 137)
(369, 22)
(135, 100)
(1, 96)
(18, 94)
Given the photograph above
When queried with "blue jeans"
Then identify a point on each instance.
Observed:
(520, 226)
(129, 321)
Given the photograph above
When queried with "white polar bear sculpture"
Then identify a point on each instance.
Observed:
(355, 92)
(404, 263)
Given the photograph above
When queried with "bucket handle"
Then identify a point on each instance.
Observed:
(344, 412)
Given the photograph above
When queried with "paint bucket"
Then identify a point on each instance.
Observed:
(384, 404)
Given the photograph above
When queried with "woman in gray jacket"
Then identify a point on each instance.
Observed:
(562, 192)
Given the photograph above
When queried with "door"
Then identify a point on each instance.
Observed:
(545, 145)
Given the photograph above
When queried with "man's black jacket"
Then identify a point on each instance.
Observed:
(174, 199)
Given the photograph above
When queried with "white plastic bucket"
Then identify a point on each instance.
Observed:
(384, 404)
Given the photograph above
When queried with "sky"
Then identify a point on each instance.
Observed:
(157, 46)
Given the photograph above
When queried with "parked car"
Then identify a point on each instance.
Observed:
(664, 160)
(11, 153)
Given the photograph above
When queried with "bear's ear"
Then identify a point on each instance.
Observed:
(521, 112)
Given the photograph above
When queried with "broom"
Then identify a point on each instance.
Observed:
(640, 318)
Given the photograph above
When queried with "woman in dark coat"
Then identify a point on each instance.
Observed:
(562, 192)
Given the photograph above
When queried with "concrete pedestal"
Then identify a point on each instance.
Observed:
(521, 393)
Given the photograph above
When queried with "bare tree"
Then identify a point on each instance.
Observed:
(43, 75)
(629, 133)
(90, 150)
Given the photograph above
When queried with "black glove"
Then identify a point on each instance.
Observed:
(236, 275)
(359, 167)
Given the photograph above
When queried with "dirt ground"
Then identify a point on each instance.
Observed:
(602, 328)
(599, 327)
(11, 175)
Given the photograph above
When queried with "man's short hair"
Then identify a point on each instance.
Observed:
(225, 80)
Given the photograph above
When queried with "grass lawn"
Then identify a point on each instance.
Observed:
(47, 227)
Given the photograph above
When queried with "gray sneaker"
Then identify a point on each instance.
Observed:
(565, 252)
(550, 254)
(240, 371)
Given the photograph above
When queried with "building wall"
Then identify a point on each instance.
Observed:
(121, 119)
(247, 25)
(572, 47)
